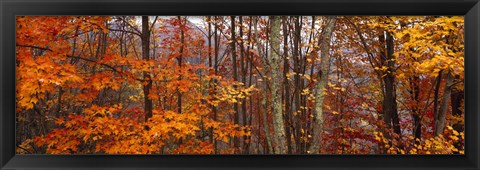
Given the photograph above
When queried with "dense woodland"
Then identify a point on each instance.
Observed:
(240, 85)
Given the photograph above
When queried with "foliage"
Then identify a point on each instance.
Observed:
(83, 84)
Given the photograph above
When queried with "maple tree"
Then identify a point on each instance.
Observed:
(240, 84)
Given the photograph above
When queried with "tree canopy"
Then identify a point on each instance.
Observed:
(240, 84)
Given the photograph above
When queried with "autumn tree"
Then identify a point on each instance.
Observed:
(240, 84)
(322, 81)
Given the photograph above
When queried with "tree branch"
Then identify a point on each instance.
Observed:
(81, 58)
(131, 32)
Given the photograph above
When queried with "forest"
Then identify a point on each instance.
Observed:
(240, 85)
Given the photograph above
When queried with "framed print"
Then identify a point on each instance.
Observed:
(239, 84)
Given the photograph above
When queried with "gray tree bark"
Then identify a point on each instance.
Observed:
(265, 86)
(320, 86)
(275, 62)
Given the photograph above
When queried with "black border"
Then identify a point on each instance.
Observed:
(10, 8)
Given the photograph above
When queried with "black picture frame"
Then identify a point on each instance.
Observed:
(11, 8)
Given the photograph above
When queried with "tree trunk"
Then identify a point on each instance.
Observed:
(320, 86)
(457, 99)
(215, 68)
(286, 86)
(249, 68)
(435, 96)
(415, 92)
(236, 141)
(244, 81)
(265, 97)
(298, 87)
(390, 110)
(210, 65)
(440, 118)
(275, 61)
(179, 60)
(145, 36)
